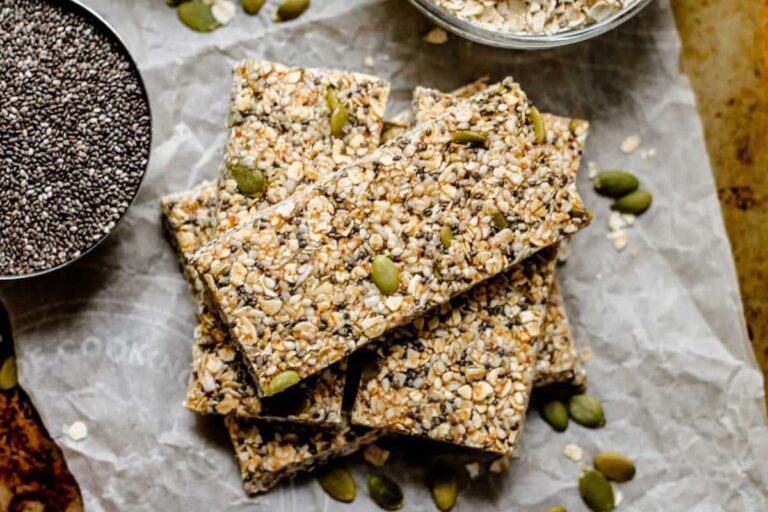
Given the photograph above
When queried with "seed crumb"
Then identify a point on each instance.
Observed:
(619, 239)
(369, 61)
(473, 468)
(586, 354)
(573, 452)
(594, 169)
(500, 465)
(77, 431)
(647, 154)
(223, 11)
(630, 144)
(618, 497)
(376, 455)
(634, 251)
(436, 36)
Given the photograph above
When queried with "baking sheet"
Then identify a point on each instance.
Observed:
(108, 341)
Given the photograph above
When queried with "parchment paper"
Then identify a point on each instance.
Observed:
(108, 341)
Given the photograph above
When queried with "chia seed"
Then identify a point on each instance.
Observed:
(74, 135)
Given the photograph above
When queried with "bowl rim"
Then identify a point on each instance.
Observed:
(508, 40)
(102, 25)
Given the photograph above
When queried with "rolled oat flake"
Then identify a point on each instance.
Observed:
(74, 134)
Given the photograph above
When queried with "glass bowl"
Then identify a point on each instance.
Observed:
(475, 32)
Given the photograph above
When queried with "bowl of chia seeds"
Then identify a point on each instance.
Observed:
(529, 24)
(75, 134)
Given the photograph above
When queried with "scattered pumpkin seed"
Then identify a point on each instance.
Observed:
(446, 236)
(337, 482)
(557, 509)
(499, 220)
(385, 274)
(616, 183)
(197, 16)
(596, 491)
(291, 9)
(539, 130)
(8, 374)
(555, 413)
(470, 138)
(615, 466)
(586, 411)
(252, 6)
(281, 382)
(635, 203)
(332, 98)
(250, 181)
(444, 487)
(338, 121)
(385, 492)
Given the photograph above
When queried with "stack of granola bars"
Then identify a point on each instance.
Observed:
(299, 344)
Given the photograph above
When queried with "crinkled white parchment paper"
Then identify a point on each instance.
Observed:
(108, 341)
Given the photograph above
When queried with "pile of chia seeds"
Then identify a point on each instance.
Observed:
(74, 135)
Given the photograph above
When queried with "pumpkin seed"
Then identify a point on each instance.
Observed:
(252, 6)
(596, 491)
(499, 221)
(250, 181)
(586, 411)
(385, 492)
(291, 9)
(338, 120)
(337, 482)
(581, 213)
(557, 509)
(615, 466)
(444, 487)
(446, 236)
(197, 16)
(555, 413)
(8, 374)
(470, 138)
(332, 98)
(539, 130)
(281, 382)
(385, 275)
(616, 183)
(635, 203)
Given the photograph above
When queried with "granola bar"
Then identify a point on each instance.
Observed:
(559, 361)
(294, 284)
(220, 383)
(270, 452)
(280, 124)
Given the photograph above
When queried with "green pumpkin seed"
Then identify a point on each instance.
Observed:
(281, 382)
(596, 491)
(337, 482)
(555, 413)
(499, 221)
(385, 275)
(615, 466)
(291, 9)
(250, 181)
(446, 236)
(197, 16)
(586, 411)
(635, 203)
(8, 374)
(539, 130)
(470, 138)
(557, 509)
(338, 121)
(332, 98)
(616, 183)
(444, 487)
(252, 6)
(385, 492)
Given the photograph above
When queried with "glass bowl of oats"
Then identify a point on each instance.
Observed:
(529, 24)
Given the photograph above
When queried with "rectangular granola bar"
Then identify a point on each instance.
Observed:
(220, 382)
(270, 452)
(558, 360)
(293, 284)
(280, 126)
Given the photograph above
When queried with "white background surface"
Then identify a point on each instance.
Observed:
(108, 341)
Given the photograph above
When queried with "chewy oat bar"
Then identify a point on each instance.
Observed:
(559, 361)
(464, 373)
(294, 283)
(220, 382)
(270, 452)
(279, 123)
